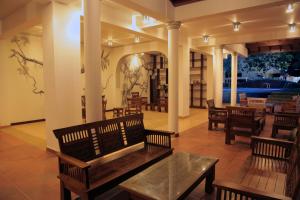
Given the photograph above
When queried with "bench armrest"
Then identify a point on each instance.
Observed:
(158, 137)
(271, 148)
(73, 170)
(229, 190)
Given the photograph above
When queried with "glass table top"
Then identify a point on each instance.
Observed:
(169, 178)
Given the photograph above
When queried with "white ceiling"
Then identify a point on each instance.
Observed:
(9, 6)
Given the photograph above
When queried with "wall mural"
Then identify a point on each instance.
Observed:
(137, 69)
(25, 62)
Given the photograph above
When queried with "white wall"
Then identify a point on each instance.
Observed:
(18, 102)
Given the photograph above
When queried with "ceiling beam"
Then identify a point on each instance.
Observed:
(203, 9)
(23, 18)
(162, 10)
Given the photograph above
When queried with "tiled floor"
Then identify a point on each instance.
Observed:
(28, 172)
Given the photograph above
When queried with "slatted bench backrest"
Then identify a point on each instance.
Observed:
(242, 116)
(286, 119)
(92, 140)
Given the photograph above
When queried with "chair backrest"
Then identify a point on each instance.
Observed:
(287, 119)
(92, 140)
(210, 103)
(241, 115)
(135, 94)
(243, 96)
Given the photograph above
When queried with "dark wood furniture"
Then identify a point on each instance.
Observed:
(96, 157)
(134, 106)
(216, 115)
(243, 99)
(271, 173)
(242, 121)
(284, 121)
(118, 112)
(163, 104)
(172, 178)
(197, 86)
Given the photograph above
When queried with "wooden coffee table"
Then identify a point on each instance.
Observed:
(172, 178)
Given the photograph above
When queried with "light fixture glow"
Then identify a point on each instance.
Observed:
(134, 63)
(292, 27)
(109, 42)
(290, 8)
(206, 38)
(148, 21)
(236, 26)
(137, 39)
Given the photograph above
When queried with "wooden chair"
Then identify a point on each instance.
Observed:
(284, 121)
(104, 103)
(134, 106)
(243, 99)
(135, 94)
(163, 104)
(118, 112)
(216, 115)
(242, 121)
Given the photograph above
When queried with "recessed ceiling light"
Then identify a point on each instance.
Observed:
(290, 8)
(236, 26)
(137, 39)
(205, 38)
(292, 27)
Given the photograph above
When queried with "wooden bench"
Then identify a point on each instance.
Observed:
(96, 157)
(271, 173)
(244, 121)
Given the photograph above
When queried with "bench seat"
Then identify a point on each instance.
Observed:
(120, 168)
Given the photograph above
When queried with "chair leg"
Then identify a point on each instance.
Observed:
(209, 125)
(227, 136)
(65, 194)
(274, 132)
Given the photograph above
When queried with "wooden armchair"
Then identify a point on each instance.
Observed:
(216, 115)
(284, 121)
(243, 121)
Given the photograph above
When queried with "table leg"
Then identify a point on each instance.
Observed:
(209, 180)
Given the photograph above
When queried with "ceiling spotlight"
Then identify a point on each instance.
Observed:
(109, 43)
(205, 38)
(292, 27)
(236, 26)
(290, 8)
(137, 39)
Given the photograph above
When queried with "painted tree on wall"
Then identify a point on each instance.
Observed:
(25, 62)
(133, 75)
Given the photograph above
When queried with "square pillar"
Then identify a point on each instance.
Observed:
(61, 50)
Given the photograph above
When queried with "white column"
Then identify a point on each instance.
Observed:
(173, 36)
(61, 50)
(92, 60)
(218, 74)
(234, 69)
(184, 78)
(210, 78)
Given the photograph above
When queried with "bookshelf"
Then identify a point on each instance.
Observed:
(198, 65)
